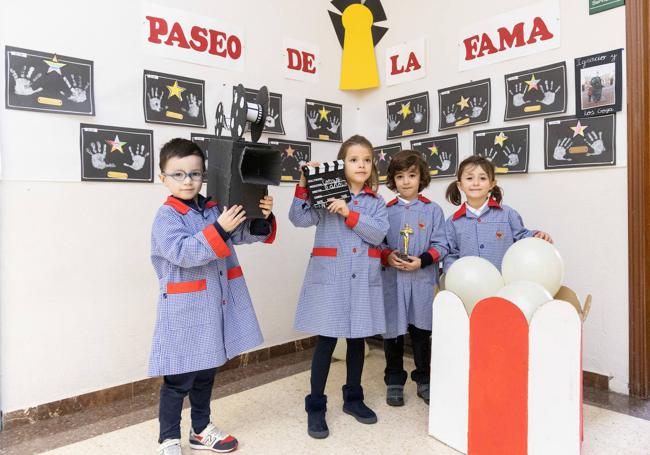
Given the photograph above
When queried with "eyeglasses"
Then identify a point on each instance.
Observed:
(180, 176)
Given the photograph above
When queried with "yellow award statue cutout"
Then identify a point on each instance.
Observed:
(358, 36)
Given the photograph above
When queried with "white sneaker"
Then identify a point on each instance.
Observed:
(213, 439)
(170, 447)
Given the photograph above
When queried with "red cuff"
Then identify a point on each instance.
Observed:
(274, 228)
(384, 256)
(216, 242)
(302, 192)
(352, 219)
(434, 254)
(235, 272)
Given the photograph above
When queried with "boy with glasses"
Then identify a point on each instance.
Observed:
(205, 315)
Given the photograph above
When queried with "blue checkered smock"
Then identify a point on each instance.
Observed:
(487, 236)
(342, 293)
(205, 315)
(408, 296)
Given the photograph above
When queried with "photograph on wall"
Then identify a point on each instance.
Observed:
(407, 116)
(116, 154)
(173, 100)
(440, 153)
(295, 154)
(598, 80)
(463, 105)
(273, 123)
(40, 81)
(571, 142)
(383, 156)
(323, 121)
(536, 92)
(507, 148)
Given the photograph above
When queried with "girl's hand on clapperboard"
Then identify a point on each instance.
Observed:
(303, 179)
(339, 206)
(266, 204)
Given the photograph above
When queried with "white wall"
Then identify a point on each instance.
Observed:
(77, 291)
(584, 210)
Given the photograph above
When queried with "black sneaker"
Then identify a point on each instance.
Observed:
(316, 407)
(423, 392)
(395, 395)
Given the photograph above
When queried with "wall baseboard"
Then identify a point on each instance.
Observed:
(129, 391)
(595, 380)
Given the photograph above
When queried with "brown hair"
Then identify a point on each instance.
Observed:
(180, 148)
(403, 161)
(453, 193)
(373, 180)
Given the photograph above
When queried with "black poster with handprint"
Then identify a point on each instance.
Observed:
(295, 154)
(407, 116)
(323, 121)
(507, 148)
(383, 156)
(173, 100)
(39, 81)
(464, 105)
(536, 92)
(273, 123)
(440, 153)
(571, 142)
(115, 154)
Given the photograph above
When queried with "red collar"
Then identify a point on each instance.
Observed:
(368, 190)
(182, 208)
(423, 199)
(391, 203)
(462, 211)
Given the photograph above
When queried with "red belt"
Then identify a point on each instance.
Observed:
(331, 252)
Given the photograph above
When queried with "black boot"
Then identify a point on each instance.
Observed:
(316, 406)
(353, 404)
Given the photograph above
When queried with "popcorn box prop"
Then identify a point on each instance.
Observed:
(501, 384)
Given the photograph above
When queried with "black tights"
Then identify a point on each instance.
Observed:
(320, 363)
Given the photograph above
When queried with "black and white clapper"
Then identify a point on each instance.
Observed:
(326, 181)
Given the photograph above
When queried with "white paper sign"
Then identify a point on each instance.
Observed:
(301, 60)
(179, 35)
(405, 62)
(520, 32)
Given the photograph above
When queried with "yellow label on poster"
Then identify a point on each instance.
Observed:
(533, 108)
(286, 178)
(49, 101)
(407, 132)
(175, 115)
(462, 122)
(117, 175)
(323, 137)
(501, 170)
(579, 149)
(433, 172)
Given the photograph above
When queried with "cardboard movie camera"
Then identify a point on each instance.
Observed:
(506, 356)
(240, 171)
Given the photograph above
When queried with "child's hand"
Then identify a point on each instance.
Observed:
(339, 206)
(544, 236)
(393, 260)
(231, 218)
(413, 264)
(407, 266)
(266, 204)
(303, 179)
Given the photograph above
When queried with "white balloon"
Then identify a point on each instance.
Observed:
(472, 279)
(527, 295)
(536, 260)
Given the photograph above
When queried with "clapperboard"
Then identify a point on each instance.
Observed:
(325, 182)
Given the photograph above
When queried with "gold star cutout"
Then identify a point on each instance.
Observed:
(434, 149)
(54, 65)
(116, 144)
(289, 151)
(405, 110)
(175, 90)
(463, 103)
(532, 83)
(500, 139)
(579, 129)
(324, 113)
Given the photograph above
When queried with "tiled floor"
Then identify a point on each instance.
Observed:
(267, 416)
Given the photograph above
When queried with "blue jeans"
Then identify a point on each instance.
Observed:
(172, 393)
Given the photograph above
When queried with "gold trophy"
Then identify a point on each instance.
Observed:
(405, 232)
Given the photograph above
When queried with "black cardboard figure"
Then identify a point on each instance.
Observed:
(173, 100)
(598, 81)
(407, 116)
(273, 123)
(383, 156)
(507, 148)
(536, 92)
(327, 181)
(294, 155)
(570, 142)
(464, 105)
(440, 153)
(240, 171)
(116, 154)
